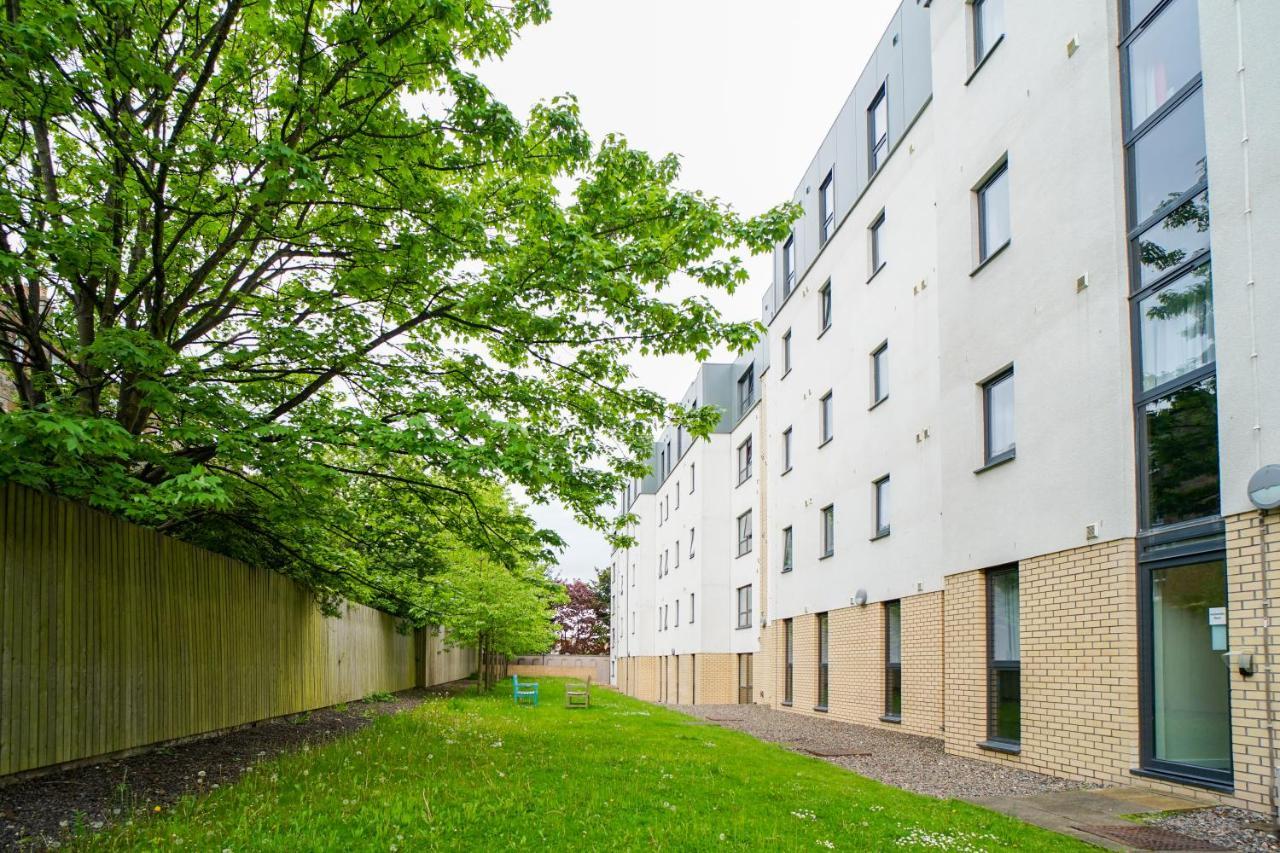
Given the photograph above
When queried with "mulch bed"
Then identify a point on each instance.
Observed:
(41, 812)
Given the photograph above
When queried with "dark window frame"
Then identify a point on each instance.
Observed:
(882, 526)
(786, 352)
(994, 666)
(1006, 373)
(788, 549)
(788, 265)
(986, 251)
(825, 307)
(747, 382)
(826, 418)
(744, 543)
(824, 662)
(787, 435)
(744, 616)
(827, 543)
(826, 208)
(879, 389)
(788, 676)
(982, 46)
(745, 452)
(877, 143)
(875, 234)
(892, 669)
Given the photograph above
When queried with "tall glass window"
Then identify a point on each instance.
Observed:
(1004, 690)
(788, 549)
(823, 661)
(788, 266)
(878, 130)
(1179, 238)
(1181, 464)
(993, 214)
(828, 531)
(880, 373)
(893, 659)
(788, 678)
(988, 27)
(827, 208)
(997, 410)
(1176, 328)
(1168, 160)
(1163, 57)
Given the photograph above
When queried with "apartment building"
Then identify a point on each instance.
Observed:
(688, 581)
(1025, 363)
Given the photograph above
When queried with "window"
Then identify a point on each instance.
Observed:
(1176, 328)
(691, 532)
(826, 423)
(826, 209)
(692, 613)
(788, 266)
(1169, 159)
(744, 606)
(744, 461)
(1004, 690)
(671, 460)
(1180, 238)
(633, 621)
(677, 613)
(997, 416)
(666, 562)
(786, 353)
(693, 476)
(1163, 58)
(744, 533)
(893, 659)
(662, 462)
(676, 551)
(878, 130)
(824, 305)
(993, 213)
(880, 490)
(1181, 455)
(786, 450)
(880, 373)
(828, 530)
(746, 390)
(788, 550)
(988, 27)
(788, 679)
(677, 494)
(876, 234)
(823, 662)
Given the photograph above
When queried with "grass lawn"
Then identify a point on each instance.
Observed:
(477, 773)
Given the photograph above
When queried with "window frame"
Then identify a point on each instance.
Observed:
(786, 352)
(747, 528)
(825, 307)
(989, 460)
(879, 377)
(745, 452)
(880, 508)
(824, 662)
(986, 251)
(789, 265)
(826, 418)
(826, 208)
(789, 662)
(692, 532)
(877, 144)
(981, 49)
(875, 236)
(787, 435)
(744, 616)
(788, 549)
(995, 666)
(893, 670)
(747, 380)
(693, 613)
(827, 531)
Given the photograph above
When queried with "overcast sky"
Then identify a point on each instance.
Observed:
(742, 90)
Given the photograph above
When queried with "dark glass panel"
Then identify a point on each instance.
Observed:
(1182, 455)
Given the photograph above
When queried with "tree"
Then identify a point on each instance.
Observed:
(262, 261)
(582, 621)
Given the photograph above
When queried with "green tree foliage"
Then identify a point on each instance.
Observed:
(284, 278)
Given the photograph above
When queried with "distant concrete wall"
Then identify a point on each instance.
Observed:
(563, 666)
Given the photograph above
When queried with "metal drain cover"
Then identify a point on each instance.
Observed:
(1151, 838)
(727, 719)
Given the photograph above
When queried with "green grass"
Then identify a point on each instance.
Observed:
(476, 772)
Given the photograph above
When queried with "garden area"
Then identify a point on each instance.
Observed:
(477, 772)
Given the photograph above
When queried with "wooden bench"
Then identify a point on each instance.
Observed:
(577, 694)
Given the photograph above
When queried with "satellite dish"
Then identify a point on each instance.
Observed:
(860, 597)
(1264, 487)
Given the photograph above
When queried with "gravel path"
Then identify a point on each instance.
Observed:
(905, 761)
(1223, 825)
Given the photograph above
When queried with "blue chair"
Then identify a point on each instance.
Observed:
(528, 690)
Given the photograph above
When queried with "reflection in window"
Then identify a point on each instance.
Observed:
(1163, 58)
(1170, 159)
(1174, 240)
(1177, 328)
(1005, 685)
(1181, 431)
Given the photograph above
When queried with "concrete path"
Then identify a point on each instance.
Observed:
(1074, 812)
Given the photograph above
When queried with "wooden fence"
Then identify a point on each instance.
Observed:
(113, 637)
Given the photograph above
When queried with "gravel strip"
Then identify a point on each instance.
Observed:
(1223, 825)
(912, 762)
(41, 812)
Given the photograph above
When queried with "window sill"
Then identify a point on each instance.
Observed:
(743, 628)
(743, 553)
(825, 329)
(983, 61)
(990, 257)
(787, 571)
(997, 462)
(1181, 779)
(875, 272)
(891, 718)
(785, 471)
(740, 483)
(883, 534)
(825, 443)
(1000, 746)
(785, 704)
(821, 709)
(785, 374)
(826, 556)
(877, 403)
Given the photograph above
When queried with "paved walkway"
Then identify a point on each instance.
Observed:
(1097, 816)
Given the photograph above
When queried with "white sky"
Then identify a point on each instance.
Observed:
(742, 90)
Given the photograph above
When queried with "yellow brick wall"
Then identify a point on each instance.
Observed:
(769, 664)
(685, 666)
(717, 676)
(1245, 615)
(922, 650)
(804, 645)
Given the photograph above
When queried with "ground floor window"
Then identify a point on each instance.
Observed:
(788, 677)
(744, 679)
(893, 659)
(823, 661)
(1188, 689)
(1004, 690)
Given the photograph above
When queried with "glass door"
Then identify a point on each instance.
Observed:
(1189, 683)
(744, 679)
